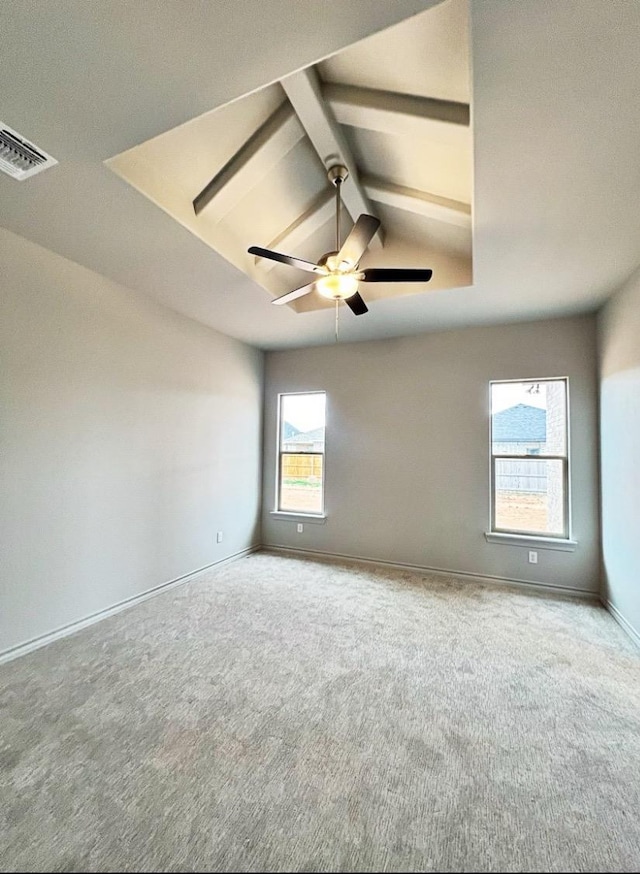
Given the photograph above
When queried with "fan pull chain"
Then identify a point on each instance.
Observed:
(337, 310)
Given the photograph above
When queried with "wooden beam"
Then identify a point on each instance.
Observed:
(304, 91)
(399, 114)
(442, 209)
(255, 158)
(301, 229)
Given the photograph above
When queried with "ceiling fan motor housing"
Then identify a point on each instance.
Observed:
(324, 260)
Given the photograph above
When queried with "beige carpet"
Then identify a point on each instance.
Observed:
(288, 715)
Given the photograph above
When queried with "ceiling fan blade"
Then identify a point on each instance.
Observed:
(356, 243)
(357, 306)
(292, 295)
(286, 259)
(395, 274)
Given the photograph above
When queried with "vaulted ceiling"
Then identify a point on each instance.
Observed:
(394, 110)
(529, 210)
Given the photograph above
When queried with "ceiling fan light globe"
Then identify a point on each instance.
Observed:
(337, 286)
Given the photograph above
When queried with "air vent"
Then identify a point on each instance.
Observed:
(20, 158)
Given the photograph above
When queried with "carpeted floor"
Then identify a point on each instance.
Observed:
(286, 715)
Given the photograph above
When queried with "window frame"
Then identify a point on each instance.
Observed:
(278, 510)
(515, 534)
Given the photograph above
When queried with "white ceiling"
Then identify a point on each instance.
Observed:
(556, 127)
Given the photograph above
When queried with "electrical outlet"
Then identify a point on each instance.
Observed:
(533, 557)
(219, 537)
(300, 527)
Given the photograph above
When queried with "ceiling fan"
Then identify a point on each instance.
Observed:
(338, 273)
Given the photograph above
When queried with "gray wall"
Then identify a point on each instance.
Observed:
(407, 467)
(619, 355)
(130, 435)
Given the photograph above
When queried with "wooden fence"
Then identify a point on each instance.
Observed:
(521, 476)
(295, 466)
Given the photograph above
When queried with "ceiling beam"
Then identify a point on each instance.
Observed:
(251, 163)
(399, 114)
(322, 209)
(304, 91)
(432, 206)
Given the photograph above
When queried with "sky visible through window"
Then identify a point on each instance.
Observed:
(508, 394)
(305, 412)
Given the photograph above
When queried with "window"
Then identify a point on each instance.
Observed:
(529, 458)
(300, 485)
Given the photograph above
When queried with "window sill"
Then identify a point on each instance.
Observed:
(288, 516)
(558, 543)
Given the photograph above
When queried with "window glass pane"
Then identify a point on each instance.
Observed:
(529, 496)
(302, 422)
(301, 482)
(529, 418)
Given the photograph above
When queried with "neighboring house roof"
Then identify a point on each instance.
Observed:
(315, 436)
(290, 430)
(520, 424)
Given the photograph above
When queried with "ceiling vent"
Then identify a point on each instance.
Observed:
(20, 158)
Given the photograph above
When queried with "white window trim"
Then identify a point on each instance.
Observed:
(292, 515)
(561, 543)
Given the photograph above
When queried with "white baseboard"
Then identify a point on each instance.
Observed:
(21, 649)
(540, 588)
(622, 622)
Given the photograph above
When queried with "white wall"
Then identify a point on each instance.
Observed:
(130, 435)
(619, 354)
(407, 467)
